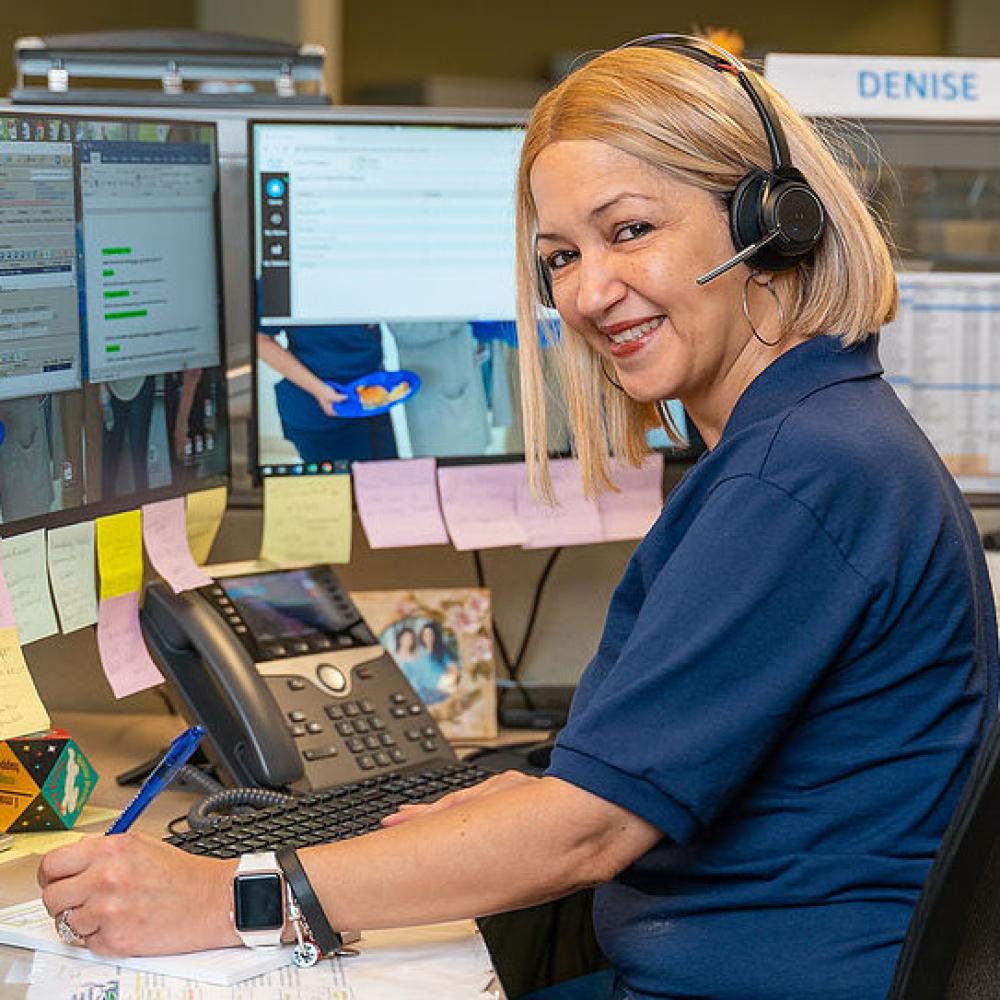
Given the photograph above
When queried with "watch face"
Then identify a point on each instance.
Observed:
(257, 902)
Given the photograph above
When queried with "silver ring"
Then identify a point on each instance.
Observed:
(65, 930)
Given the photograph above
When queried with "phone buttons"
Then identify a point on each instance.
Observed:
(331, 677)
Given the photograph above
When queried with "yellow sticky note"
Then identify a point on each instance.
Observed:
(204, 517)
(21, 710)
(119, 553)
(307, 520)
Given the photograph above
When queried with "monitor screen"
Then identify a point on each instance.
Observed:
(112, 385)
(384, 294)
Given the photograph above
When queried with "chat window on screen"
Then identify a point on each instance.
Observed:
(149, 258)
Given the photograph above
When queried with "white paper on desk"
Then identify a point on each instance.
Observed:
(398, 503)
(324, 981)
(56, 977)
(573, 521)
(443, 961)
(27, 925)
(480, 504)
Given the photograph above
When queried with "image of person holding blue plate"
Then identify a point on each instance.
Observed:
(306, 401)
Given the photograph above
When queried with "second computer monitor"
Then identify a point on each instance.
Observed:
(385, 292)
(112, 382)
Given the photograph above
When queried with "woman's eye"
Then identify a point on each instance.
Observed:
(632, 231)
(559, 259)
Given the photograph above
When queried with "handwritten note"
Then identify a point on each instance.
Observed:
(21, 710)
(71, 572)
(398, 503)
(480, 504)
(28, 585)
(119, 553)
(204, 517)
(574, 520)
(165, 534)
(631, 512)
(7, 619)
(307, 519)
(124, 657)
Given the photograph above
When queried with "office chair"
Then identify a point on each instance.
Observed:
(952, 946)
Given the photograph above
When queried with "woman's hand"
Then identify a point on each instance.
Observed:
(327, 396)
(129, 894)
(498, 783)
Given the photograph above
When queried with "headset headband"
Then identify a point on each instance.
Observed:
(717, 58)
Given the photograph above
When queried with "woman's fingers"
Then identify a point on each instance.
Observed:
(498, 783)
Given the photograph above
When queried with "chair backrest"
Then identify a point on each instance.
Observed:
(952, 946)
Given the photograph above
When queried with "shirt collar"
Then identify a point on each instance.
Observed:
(807, 367)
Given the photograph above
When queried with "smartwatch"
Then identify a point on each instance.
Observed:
(259, 900)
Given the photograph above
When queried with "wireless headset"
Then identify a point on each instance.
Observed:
(775, 217)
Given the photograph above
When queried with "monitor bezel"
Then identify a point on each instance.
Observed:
(467, 118)
(117, 505)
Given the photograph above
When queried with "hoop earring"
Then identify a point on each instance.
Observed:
(604, 372)
(777, 302)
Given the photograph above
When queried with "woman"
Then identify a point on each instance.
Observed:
(800, 660)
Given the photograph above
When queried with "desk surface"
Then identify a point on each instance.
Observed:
(112, 743)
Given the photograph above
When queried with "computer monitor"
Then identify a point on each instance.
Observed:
(384, 293)
(112, 378)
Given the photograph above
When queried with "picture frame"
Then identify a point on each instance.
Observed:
(441, 638)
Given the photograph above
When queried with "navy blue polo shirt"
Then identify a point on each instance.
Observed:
(796, 670)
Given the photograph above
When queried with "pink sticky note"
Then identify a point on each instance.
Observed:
(480, 504)
(574, 521)
(124, 656)
(6, 605)
(631, 513)
(164, 530)
(398, 503)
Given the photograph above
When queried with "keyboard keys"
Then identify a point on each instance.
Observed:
(333, 813)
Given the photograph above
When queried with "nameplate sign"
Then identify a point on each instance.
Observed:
(881, 87)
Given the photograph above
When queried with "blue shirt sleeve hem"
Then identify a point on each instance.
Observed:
(630, 791)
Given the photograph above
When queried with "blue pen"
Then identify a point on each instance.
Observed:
(178, 754)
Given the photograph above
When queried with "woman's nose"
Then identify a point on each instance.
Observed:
(599, 285)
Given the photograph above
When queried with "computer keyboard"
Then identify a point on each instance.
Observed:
(320, 817)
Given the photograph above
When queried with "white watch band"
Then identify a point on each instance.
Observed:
(264, 863)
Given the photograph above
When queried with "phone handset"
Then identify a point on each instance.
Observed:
(221, 688)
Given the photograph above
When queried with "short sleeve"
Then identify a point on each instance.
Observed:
(738, 625)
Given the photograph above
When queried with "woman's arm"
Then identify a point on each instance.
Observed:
(285, 363)
(532, 842)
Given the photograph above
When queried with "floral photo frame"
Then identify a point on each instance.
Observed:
(441, 638)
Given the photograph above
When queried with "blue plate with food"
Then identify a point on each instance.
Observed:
(375, 393)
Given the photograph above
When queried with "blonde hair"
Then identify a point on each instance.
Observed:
(697, 125)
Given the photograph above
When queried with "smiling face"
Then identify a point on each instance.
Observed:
(624, 244)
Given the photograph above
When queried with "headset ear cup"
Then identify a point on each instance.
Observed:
(544, 284)
(764, 203)
(746, 223)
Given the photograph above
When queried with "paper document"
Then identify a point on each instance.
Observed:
(939, 356)
(205, 510)
(7, 619)
(480, 504)
(165, 533)
(307, 520)
(124, 657)
(21, 710)
(71, 572)
(573, 521)
(119, 553)
(398, 503)
(27, 925)
(28, 585)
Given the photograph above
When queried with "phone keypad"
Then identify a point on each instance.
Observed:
(378, 727)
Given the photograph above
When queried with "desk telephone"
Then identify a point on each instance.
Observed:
(290, 683)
